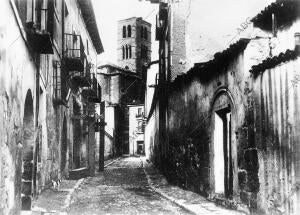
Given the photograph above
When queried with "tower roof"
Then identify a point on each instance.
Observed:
(134, 19)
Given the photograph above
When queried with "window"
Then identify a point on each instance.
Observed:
(142, 32)
(124, 31)
(56, 29)
(123, 52)
(144, 52)
(129, 30)
(126, 52)
(130, 52)
(140, 126)
(139, 111)
(145, 33)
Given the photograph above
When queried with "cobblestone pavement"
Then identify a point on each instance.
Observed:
(121, 189)
(191, 201)
(129, 185)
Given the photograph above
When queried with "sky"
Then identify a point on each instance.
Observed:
(109, 12)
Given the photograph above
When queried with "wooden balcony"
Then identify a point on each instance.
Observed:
(93, 92)
(81, 79)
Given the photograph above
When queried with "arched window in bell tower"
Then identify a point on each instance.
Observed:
(123, 52)
(130, 53)
(129, 30)
(145, 33)
(126, 52)
(142, 32)
(124, 31)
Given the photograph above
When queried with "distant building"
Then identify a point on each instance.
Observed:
(119, 88)
(136, 129)
(134, 44)
(124, 84)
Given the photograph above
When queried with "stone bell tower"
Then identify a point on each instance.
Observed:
(134, 43)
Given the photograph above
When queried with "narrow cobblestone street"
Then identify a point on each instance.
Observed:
(128, 185)
(122, 189)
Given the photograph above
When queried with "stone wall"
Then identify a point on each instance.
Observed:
(16, 79)
(189, 157)
(38, 142)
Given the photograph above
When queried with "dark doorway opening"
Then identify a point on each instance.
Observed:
(76, 135)
(63, 146)
(140, 148)
(28, 151)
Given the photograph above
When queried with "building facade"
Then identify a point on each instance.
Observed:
(119, 88)
(136, 129)
(47, 112)
(124, 84)
(223, 120)
(134, 44)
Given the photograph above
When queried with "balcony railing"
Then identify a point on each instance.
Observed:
(81, 76)
(74, 57)
(93, 92)
(39, 36)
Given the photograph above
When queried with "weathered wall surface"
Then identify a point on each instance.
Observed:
(189, 157)
(109, 132)
(151, 137)
(277, 121)
(17, 76)
(46, 133)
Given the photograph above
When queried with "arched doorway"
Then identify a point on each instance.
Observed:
(28, 149)
(63, 146)
(222, 146)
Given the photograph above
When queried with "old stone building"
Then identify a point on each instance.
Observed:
(223, 120)
(134, 44)
(119, 88)
(124, 84)
(48, 94)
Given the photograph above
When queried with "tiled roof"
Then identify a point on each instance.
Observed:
(118, 68)
(216, 65)
(272, 62)
(285, 11)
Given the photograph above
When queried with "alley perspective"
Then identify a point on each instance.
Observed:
(149, 107)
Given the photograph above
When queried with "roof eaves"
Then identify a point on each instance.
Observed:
(216, 65)
(91, 24)
(287, 10)
(274, 61)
